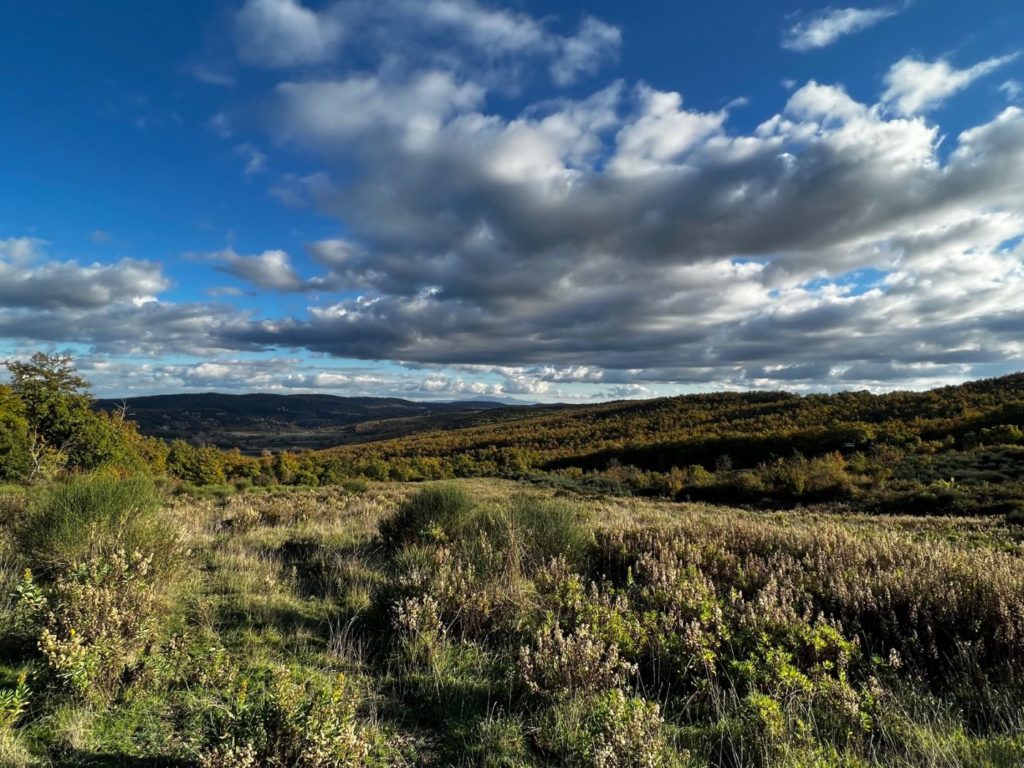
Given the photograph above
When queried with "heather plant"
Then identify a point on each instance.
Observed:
(421, 634)
(276, 722)
(558, 663)
(607, 730)
(611, 633)
(101, 624)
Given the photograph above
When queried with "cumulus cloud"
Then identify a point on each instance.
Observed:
(620, 240)
(284, 33)
(617, 244)
(625, 232)
(662, 132)
(914, 86)
(29, 279)
(292, 375)
(271, 269)
(18, 251)
(824, 28)
(404, 33)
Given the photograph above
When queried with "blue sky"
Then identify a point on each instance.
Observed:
(543, 200)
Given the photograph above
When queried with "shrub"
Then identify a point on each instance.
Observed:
(560, 664)
(439, 508)
(94, 516)
(279, 723)
(101, 623)
(355, 485)
(608, 730)
(547, 528)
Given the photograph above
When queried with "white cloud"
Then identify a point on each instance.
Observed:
(615, 244)
(29, 279)
(270, 269)
(914, 86)
(339, 111)
(831, 24)
(1012, 90)
(212, 76)
(19, 251)
(585, 52)
(499, 43)
(255, 160)
(662, 133)
(284, 33)
(629, 233)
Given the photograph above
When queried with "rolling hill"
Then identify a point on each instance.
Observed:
(256, 422)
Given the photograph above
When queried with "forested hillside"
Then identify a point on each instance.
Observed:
(957, 449)
(747, 427)
(256, 422)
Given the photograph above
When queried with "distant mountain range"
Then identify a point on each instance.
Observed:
(259, 422)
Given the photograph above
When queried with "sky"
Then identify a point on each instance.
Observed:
(549, 201)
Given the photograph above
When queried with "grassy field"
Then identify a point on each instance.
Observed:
(481, 623)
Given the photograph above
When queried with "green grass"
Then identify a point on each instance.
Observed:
(74, 519)
(424, 599)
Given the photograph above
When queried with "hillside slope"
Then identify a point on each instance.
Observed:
(742, 429)
(288, 422)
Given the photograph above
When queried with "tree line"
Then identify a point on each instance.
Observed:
(958, 449)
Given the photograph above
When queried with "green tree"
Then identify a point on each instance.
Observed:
(55, 403)
(63, 429)
(201, 466)
(15, 460)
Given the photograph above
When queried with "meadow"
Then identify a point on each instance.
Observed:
(486, 623)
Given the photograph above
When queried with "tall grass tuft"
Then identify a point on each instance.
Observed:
(549, 528)
(91, 516)
(440, 508)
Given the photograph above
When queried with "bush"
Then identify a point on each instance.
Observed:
(101, 624)
(278, 722)
(355, 485)
(438, 509)
(560, 664)
(547, 528)
(608, 730)
(94, 516)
